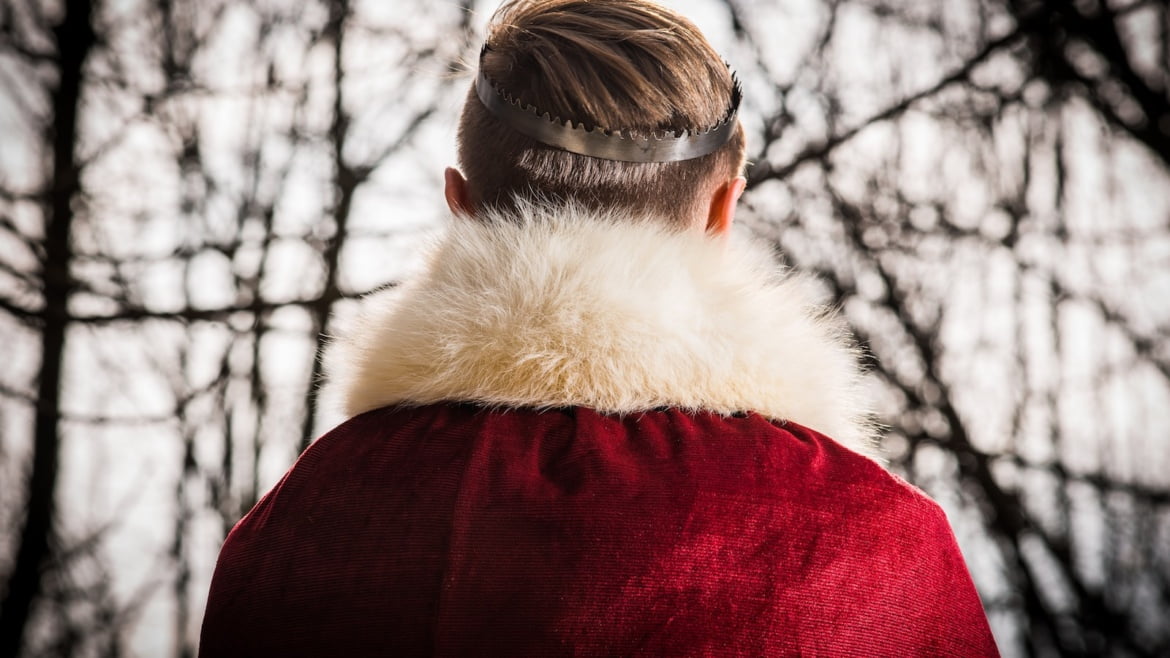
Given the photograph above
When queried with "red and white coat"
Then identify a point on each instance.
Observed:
(584, 434)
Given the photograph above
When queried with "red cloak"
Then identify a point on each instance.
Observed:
(637, 474)
(455, 530)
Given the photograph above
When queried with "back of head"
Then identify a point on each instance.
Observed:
(628, 65)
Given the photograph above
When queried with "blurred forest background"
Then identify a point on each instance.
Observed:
(189, 189)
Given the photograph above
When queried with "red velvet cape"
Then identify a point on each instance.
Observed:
(452, 530)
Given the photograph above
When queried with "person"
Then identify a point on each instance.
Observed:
(596, 423)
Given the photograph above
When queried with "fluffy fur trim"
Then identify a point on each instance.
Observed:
(560, 307)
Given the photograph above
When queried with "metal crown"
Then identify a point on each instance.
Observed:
(565, 134)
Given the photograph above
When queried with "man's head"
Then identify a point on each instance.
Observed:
(626, 65)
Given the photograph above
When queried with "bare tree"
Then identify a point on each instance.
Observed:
(212, 302)
(73, 38)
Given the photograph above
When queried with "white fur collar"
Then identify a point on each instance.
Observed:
(564, 307)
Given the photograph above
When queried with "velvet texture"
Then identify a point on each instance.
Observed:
(453, 530)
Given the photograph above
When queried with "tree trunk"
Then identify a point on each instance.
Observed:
(75, 38)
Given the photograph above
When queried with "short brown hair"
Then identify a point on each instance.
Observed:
(619, 64)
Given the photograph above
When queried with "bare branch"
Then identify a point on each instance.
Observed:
(765, 171)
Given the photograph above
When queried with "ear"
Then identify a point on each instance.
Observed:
(721, 214)
(458, 193)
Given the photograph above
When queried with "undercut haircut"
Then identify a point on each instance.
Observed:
(629, 65)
